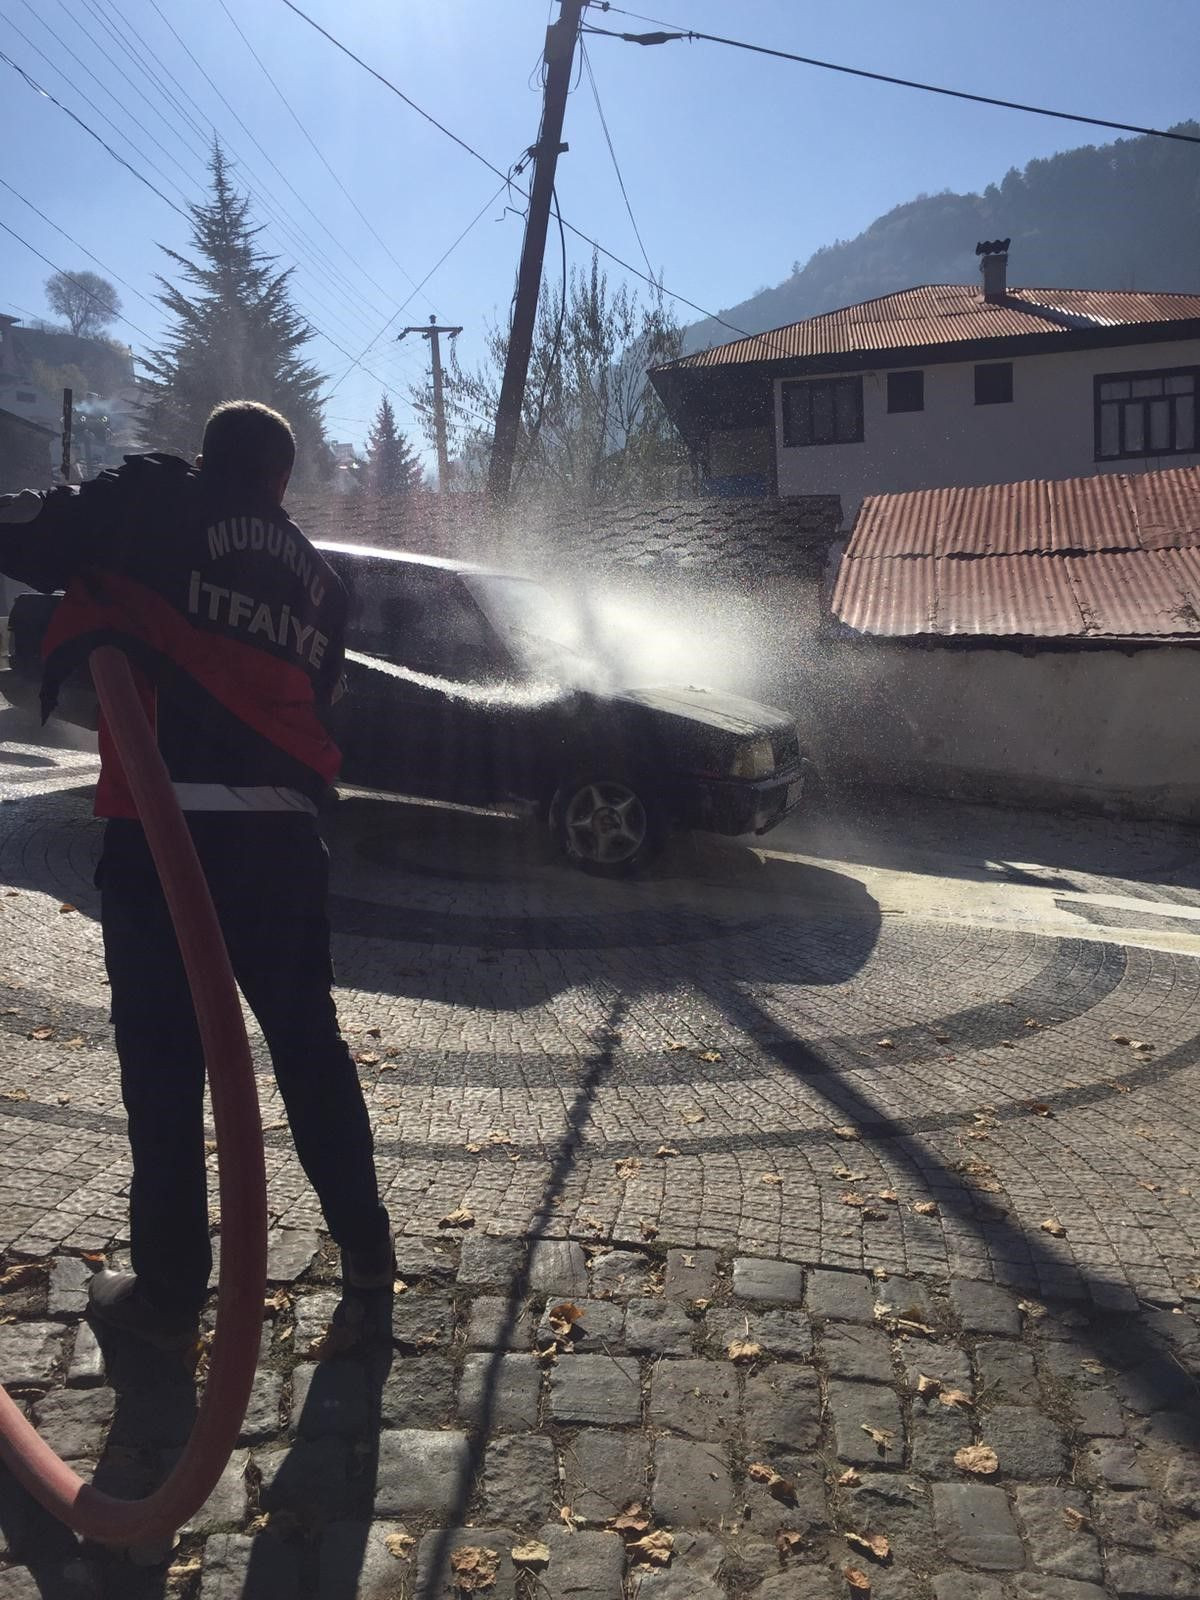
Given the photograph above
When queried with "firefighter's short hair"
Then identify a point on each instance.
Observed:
(247, 443)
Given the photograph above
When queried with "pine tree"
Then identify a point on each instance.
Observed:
(236, 336)
(392, 463)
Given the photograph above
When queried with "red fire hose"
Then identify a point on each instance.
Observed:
(243, 1186)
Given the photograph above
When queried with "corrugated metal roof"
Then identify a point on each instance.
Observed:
(947, 313)
(1112, 556)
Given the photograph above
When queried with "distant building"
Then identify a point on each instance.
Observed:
(941, 385)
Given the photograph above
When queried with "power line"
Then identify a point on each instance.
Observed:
(316, 147)
(81, 247)
(99, 299)
(688, 34)
(587, 63)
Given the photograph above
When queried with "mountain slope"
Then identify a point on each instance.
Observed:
(1119, 216)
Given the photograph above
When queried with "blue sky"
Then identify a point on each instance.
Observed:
(736, 165)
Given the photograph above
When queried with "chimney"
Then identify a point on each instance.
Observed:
(994, 267)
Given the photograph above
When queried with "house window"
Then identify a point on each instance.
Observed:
(1146, 414)
(906, 391)
(993, 384)
(823, 411)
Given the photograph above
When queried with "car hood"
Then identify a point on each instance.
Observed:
(725, 713)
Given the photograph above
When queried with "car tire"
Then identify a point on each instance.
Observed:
(607, 825)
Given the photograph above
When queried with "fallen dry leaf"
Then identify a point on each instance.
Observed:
(873, 1214)
(1054, 1228)
(928, 1385)
(1119, 1038)
(1074, 1518)
(776, 1485)
(665, 1150)
(66, 908)
(42, 1033)
(653, 1548)
(789, 1542)
(852, 1198)
(1032, 1309)
(367, 1058)
(693, 1116)
(1039, 1108)
(474, 1567)
(849, 1478)
(400, 1544)
(1144, 1183)
(533, 1554)
(847, 1132)
(632, 1519)
(627, 1167)
(547, 1355)
(675, 1044)
(771, 1178)
(956, 1397)
(926, 1208)
(335, 1341)
(14, 1094)
(709, 1055)
(374, 1033)
(880, 1437)
(743, 1350)
(977, 1458)
(648, 1230)
(847, 1175)
(1140, 1044)
(875, 1544)
(563, 1317)
(890, 1196)
(16, 1277)
(460, 1217)
(857, 1579)
(885, 1044)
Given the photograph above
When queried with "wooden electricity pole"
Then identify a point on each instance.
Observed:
(431, 333)
(559, 56)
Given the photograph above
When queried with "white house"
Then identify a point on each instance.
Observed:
(944, 385)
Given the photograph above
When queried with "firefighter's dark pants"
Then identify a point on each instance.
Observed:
(268, 875)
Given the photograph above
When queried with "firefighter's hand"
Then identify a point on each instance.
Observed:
(23, 507)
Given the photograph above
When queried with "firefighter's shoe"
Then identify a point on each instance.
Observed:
(369, 1271)
(118, 1301)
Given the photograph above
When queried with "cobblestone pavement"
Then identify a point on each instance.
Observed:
(933, 1057)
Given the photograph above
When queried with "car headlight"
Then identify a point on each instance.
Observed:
(755, 759)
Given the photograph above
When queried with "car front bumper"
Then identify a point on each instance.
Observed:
(737, 805)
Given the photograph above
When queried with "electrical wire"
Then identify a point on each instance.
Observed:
(75, 281)
(125, 284)
(689, 34)
(587, 62)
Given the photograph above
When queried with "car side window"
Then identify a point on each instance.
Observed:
(424, 619)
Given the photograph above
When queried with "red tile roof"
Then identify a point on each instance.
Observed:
(1112, 556)
(948, 313)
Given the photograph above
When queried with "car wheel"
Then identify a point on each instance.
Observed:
(608, 826)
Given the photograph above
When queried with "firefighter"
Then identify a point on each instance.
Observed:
(234, 624)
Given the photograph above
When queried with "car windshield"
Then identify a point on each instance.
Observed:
(522, 609)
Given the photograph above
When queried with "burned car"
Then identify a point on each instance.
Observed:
(483, 688)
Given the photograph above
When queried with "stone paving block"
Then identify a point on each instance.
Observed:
(158, 1415)
(1115, 1464)
(677, 1582)
(897, 1505)
(1127, 1517)
(290, 1253)
(314, 1314)
(417, 1393)
(1097, 1414)
(692, 1486)
(1055, 1542)
(262, 1409)
(67, 1293)
(904, 1297)
(558, 1267)
(499, 1391)
(29, 1351)
(488, 1263)
(804, 1511)
(308, 1477)
(658, 1327)
(1137, 1575)
(1033, 1586)
(855, 1407)
(938, 1432)
(435, 1570)
(778, 1282)
(850, 1351)
(1005, 1373)
(801, 1583)
(75, 1422)
(968, 1586)
(696, 1398)
(227, 1504)
(604, 1472)
(845, 1296)
(237, 1567)
(583, 1566)
(783, 1407)
(932, 1358)
(620, 1272)
(421, 1321)
(782, 1333)
(975, 1525)
(355, 1563)
(86, 1366)
(70, 1580)
(419, 1470)
(329, 1399)
(520, 1477)
(1075, 1363)
(1157, 1384)
(1027, 1443)
(418, 1259)
(690, 1275)
(495, 1325)
(596, 1389)
(601, 1328)
(984, 1307)
(1181, 1485)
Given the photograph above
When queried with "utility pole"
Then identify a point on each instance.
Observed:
(559, 56)
(439, 410)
